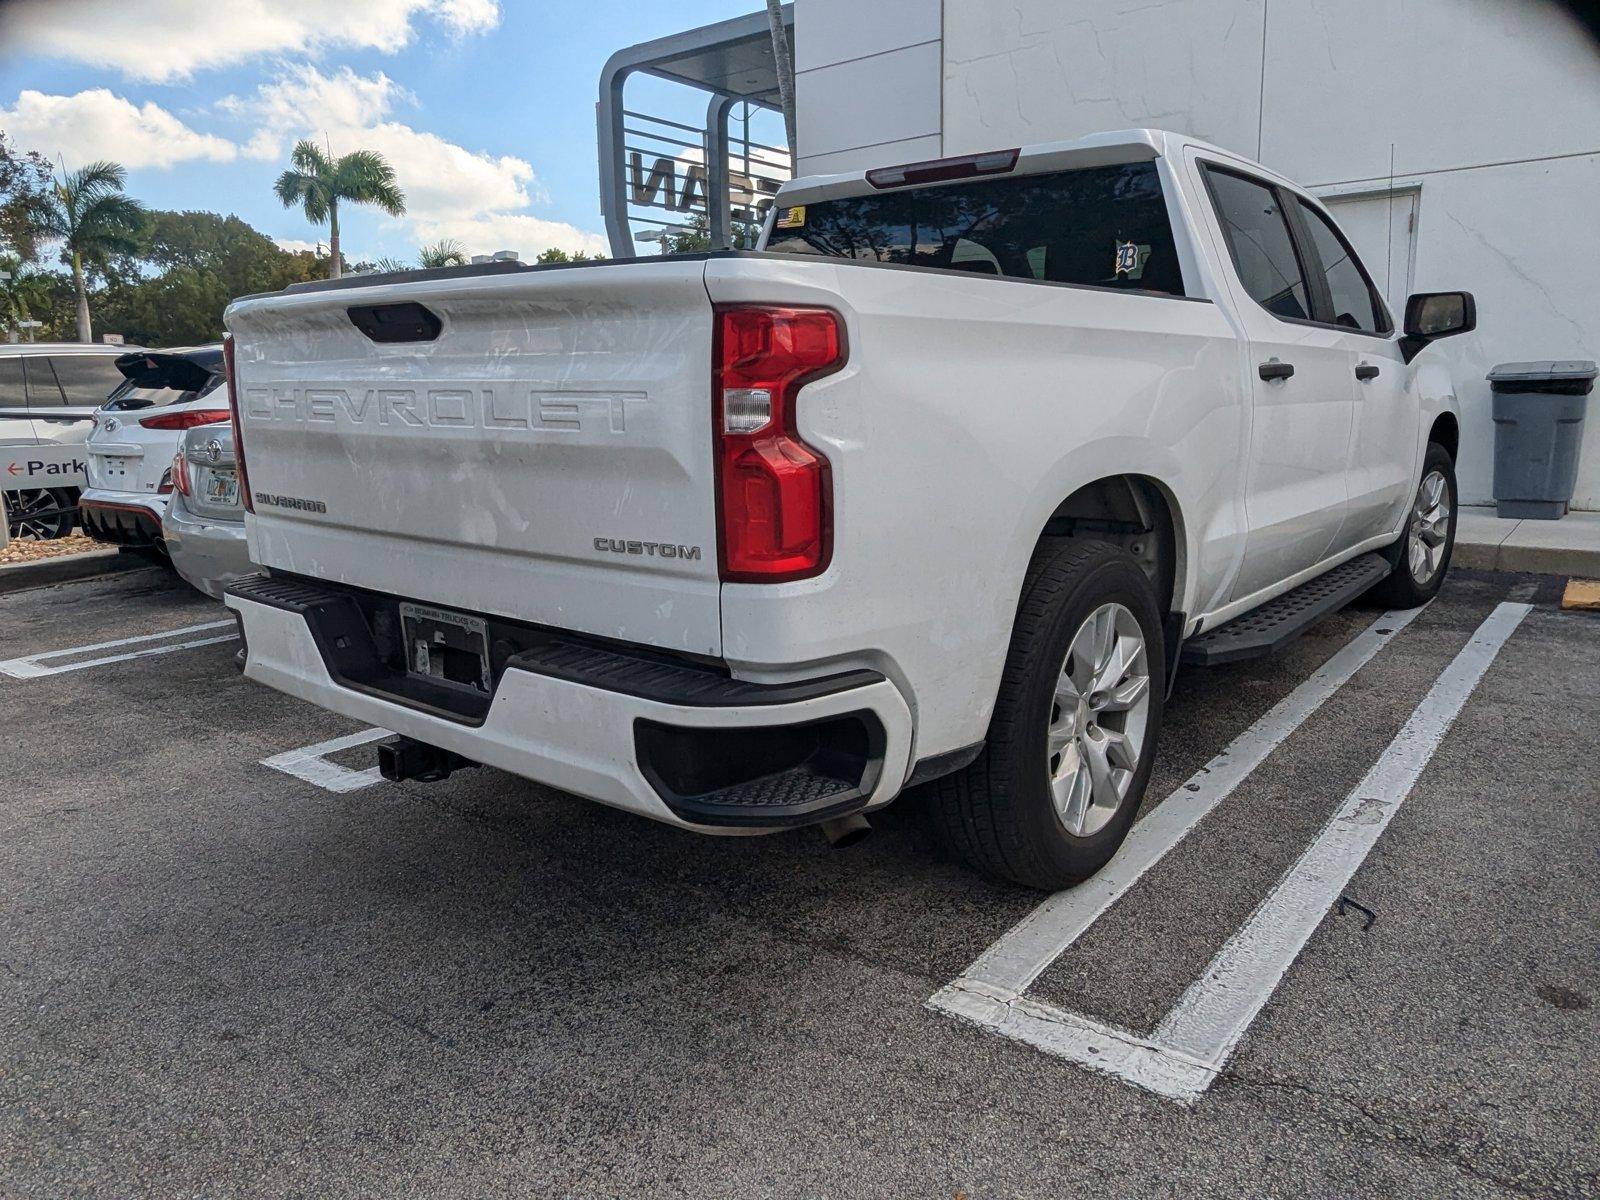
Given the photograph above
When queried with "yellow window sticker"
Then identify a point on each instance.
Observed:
(792, 218)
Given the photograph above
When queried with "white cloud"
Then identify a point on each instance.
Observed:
(477, 198)
(295, 245)
(95, 124)
(164, 40)
(306, 101)
(528, 235)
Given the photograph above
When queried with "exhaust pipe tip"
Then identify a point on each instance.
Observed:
(845, 831)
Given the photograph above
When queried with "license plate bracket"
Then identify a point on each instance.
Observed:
(446, 647)
(222, 487)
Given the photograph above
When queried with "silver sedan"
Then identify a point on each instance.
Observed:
(204, 524)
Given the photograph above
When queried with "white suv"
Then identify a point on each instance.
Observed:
(137, 434)
(48, 394)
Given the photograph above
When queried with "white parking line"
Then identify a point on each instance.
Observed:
(33, 666)
(1213, 1014)
(308, 762)
(1194, 1041)
(1017, 959)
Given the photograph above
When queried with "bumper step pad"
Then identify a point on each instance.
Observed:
(1275, 624)
(798, 796)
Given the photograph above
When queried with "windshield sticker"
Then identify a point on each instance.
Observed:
(792, 218)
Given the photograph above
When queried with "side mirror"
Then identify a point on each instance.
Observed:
(1434, 315)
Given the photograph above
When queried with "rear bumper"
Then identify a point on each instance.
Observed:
(122, 518)
(209, 555)
(619, 744)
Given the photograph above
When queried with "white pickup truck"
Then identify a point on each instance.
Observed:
(938, 484)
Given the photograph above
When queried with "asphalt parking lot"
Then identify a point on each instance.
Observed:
(219, 977)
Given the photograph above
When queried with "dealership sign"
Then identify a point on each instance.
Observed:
(26, 467)
(680, 185)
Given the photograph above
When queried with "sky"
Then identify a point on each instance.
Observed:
(485, 108)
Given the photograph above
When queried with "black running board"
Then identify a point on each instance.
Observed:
(1275, 624)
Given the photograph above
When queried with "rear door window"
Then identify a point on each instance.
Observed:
(43, 390)
(1097, 226)
(87, 378)
(1259, 241)
(13, 391)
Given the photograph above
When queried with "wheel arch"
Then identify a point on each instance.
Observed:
(1137, 511)
(1446, 431)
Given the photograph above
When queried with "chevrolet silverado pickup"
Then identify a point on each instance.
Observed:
(938, 485)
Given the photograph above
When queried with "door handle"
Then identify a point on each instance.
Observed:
(1273, 369)
(1366, 371)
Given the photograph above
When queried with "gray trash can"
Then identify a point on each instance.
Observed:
(1538, 428)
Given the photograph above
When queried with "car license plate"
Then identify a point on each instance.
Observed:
(447, 647)
(222, 487)
(114, 466)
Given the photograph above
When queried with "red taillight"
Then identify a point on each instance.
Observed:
(233, 411)
(773, 491)
(187, 419)
(180, 475)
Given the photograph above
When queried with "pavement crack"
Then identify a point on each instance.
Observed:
(1449, 1153)
(416, 1025)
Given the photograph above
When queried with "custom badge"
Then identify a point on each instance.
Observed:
(1127, 258)
(791, 218)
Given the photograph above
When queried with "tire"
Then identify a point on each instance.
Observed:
(42, 513)
(1405, 587)
(1012, 814)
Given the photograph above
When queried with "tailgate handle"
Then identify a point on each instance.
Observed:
(395, 322)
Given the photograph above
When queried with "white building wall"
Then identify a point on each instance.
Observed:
(869, 78)
(1491, 109)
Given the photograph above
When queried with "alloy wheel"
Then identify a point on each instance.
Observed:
(1098, 719)
(1430, 527)
(38, 514)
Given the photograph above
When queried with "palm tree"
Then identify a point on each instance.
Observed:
(22, 292)
(446, 253)
(86, 211)
(317, 182)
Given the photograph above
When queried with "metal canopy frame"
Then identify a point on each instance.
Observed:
(732, 60)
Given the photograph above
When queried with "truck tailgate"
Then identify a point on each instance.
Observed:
(547, 456)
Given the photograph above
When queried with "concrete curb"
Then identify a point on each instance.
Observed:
(1570, 546)
(69, 568)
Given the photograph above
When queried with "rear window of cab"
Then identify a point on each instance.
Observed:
(1095, 226)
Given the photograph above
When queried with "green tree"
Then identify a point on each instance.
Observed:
(86, 211)
(24, 294)
(190, 266)
(557, 255)
(445, 253)
(24, 185)
(317, 182)
(695, 237)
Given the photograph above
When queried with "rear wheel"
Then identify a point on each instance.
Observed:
(41, 513)
(1075, 725)
(1421, 557)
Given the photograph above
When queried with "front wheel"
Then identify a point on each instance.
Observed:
(40, 513)
(1422, 555)
(1075, 724)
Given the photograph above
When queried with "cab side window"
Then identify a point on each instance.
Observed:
(1356, 304)
(1259, 241)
